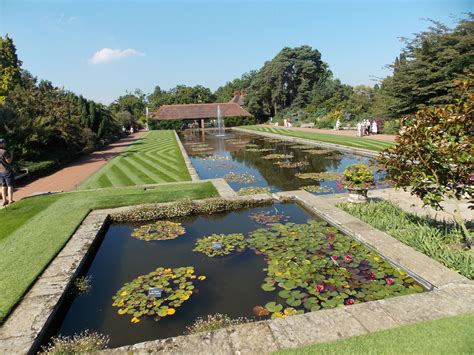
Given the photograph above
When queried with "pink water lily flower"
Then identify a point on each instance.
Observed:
(258, 252)
(389, 281)
(331, 235)
(348, 258)
(372, 276)
(320, 287)
(334, 257)
(350, 301)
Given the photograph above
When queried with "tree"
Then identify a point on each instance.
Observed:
(424, 72)
(9, 67)
(434, 154)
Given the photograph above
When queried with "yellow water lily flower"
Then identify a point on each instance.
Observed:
(121, 311)
(123, 293)
(278, 315)
(168, 270)
(171, 311)
(376, 258)
(135, 320)
(201, 278)
(185, 297)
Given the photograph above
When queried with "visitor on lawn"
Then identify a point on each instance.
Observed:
(7, 176)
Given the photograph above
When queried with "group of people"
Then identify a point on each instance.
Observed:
(365, 128)
(7, 175)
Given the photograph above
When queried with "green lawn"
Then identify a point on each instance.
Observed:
(355, 142)
(453, 335)
(38, 227)
(439, 241)
(154, 159)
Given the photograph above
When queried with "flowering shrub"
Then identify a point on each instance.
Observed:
(358, 176)
(85, 342)
(213, 322)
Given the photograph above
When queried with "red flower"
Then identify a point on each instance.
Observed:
(348, 258)
(372, 276)
(349, 301)
(389, 281)
(258, 252)
(334, 257)
(330, 235)
(320, 287)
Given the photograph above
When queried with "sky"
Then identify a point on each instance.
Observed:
(102, 49)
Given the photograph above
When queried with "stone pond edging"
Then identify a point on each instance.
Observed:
(451, 294)
(192, 172)
(342, 148)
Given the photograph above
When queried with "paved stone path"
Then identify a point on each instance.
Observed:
(344, 132)
(69, 177)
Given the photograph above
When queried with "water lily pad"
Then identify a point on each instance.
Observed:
(253, 190)
(273, 307)
(160, 230)
(267, 217)
(328, 175)
(134, 298)
(277, 156)
(220, 244)
(239, 177)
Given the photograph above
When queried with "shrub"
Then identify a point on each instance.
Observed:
(85, 342)
(391, 127)
(234, 121)
(178, 125)
(38, 168)
(213, 322)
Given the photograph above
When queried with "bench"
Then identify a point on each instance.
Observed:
(307, 125)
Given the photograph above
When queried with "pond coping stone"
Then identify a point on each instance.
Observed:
(192, 172)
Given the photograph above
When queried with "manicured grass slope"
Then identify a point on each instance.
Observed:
(439, 241)
(154, 159)
(38, 228)
(451, 335)
(356, 142)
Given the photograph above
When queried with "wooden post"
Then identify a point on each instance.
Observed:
(202, 123)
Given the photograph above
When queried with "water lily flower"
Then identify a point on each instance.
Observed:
(135, 320)
(372, 276)
(349, 301)
(334, 257)
(348, 258)
(171, 311)
(320, 287)
(201, 278)
(389, 281)
(258, 252)
(330, 235)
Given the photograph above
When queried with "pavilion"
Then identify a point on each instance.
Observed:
(201, 112)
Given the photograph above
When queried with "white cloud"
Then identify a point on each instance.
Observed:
(108, 54)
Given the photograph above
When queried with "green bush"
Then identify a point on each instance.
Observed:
(391, 127)
(234, 121)
(38, 168)
(178, 125)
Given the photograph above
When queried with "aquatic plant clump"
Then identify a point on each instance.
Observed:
(216, 157)
(82, 285)
(301, 146)
(314, 266)
(327, 175)
(316, 188)
(291, 165)
(251, 145)
(85, 342)
(160, 230)
(253, 190)
(156, 294)
(277, 156)
(214, 322)
(260, 150)
(268, 217)
(239, 177)
(220, 244)
(184, 207)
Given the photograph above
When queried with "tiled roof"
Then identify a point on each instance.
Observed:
(197, 111)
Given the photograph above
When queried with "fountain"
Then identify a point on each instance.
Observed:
(220, 123)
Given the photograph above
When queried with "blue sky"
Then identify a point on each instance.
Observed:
(100, 49)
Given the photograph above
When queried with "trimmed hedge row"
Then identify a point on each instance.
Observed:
(180, 125)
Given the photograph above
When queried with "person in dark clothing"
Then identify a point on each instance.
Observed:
(7, 176)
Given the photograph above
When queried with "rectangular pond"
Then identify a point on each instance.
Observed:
(246, 160)
(154, 280)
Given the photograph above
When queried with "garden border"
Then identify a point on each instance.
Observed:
(451, 294)
(342, 148)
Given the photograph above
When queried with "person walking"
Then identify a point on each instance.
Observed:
(7, 176)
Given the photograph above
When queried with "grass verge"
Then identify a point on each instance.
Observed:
(440, 241)
(39, 227)
(451, 335)
(355, 142)
(154, 159)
